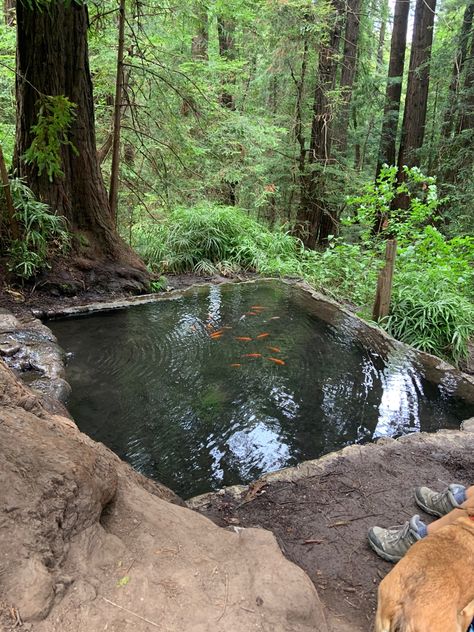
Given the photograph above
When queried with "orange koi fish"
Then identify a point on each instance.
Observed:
(236, 365)
(263, 335)
(243, 338)
(276, 360)
(252, 355)
(215, 336)
(259, 307)
(215, 333)
(250, 313)
(275, 349)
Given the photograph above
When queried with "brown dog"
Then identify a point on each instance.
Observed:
(431, 589)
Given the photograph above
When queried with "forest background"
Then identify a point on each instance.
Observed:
(285, 137)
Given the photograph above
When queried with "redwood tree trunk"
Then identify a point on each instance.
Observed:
(226, 33)
(52, 59)
(348, 71)
(314, 220)
(387, 151)
(414, 116)
(200, 41)
(458, 66)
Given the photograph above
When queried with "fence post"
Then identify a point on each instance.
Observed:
(384, 282)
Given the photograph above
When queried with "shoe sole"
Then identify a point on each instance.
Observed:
(428, 510)
(381, 553)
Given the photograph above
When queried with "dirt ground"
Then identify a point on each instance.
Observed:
(24, 300)
(321, 521)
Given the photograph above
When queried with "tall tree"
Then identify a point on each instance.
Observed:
(388, 137)
(315, 221)
(458, 67)
(118, 108)
(52, 59)
(348, 70)
(200, 41)
(416, 101)
(226, 35)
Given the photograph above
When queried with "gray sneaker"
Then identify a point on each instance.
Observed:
(440, 503)
(393, 543)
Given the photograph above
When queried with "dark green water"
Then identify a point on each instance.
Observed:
(150, 382)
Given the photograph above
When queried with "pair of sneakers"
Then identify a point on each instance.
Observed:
(393, 543)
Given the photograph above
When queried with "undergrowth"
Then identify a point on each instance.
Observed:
(433, 293)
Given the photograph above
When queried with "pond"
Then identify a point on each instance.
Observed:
(224, 383)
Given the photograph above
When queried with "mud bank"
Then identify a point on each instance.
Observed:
(87, 544)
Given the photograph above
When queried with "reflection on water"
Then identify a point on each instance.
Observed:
(170, 386)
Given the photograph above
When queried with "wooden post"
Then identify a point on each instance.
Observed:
(12, 223)
(384, 282)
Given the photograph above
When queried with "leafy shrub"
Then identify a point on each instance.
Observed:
(43, 233)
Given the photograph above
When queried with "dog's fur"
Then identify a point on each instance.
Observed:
(431, 589)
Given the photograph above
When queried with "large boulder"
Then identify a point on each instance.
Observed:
(87, 544)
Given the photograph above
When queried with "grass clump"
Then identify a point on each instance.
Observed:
(209, 239)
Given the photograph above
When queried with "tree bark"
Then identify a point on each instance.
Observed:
(387, 150)
(414, 116)
(200, 41)
(315, 222)
(118, 108)
(348, 71)
(226, 33)
(52, 59)
(466, 114)
(461, 54)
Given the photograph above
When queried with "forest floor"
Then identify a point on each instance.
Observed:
(321, 516)
(25, 300)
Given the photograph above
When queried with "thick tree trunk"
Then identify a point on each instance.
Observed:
(387, 151)
(348, 71)
(414, 116)
(52, 59)
(315, 222)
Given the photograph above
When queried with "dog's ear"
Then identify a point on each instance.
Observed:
(466, 616)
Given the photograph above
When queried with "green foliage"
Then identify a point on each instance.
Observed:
(43, 233)
(55, 116)
(158, 285)
(433, 319)
(210, 239)
(433, 292)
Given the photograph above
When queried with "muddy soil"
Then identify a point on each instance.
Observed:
(321, 521)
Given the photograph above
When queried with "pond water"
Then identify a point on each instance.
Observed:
(225, 383)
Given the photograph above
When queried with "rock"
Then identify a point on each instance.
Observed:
(8, 350)
(468, 425)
